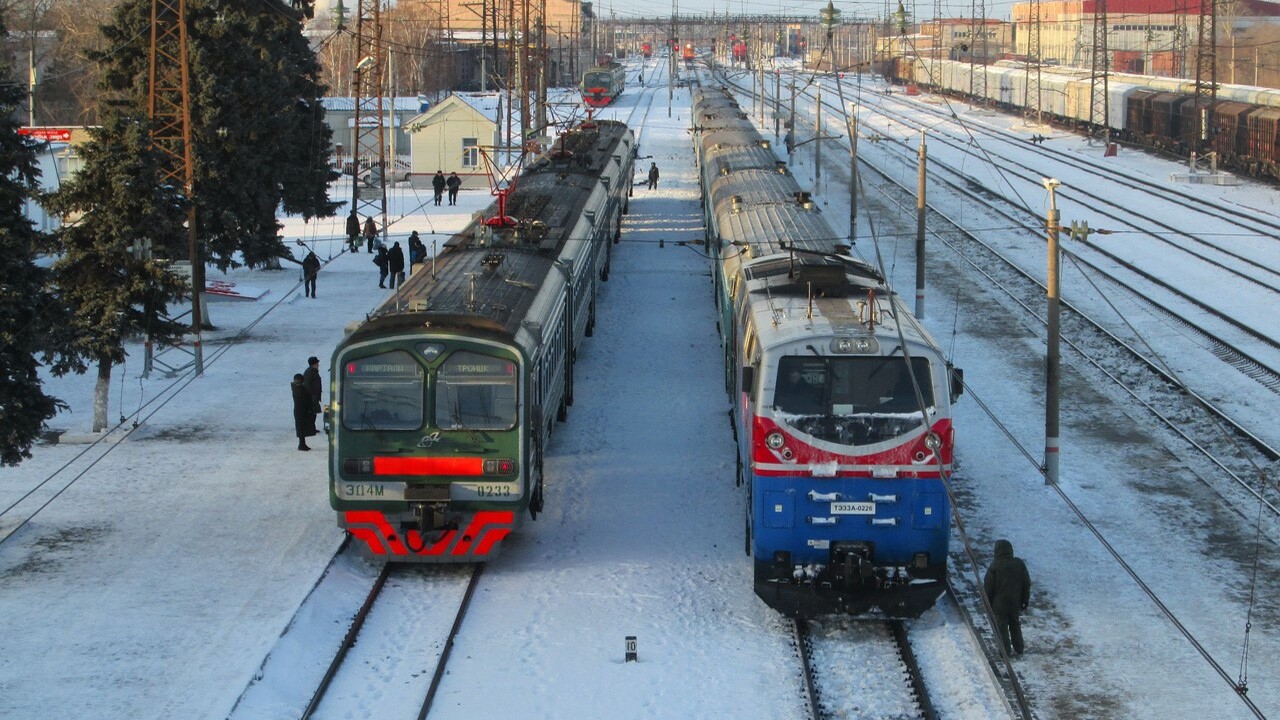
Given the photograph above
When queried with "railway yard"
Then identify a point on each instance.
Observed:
(190, 566)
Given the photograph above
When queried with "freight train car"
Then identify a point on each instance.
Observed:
(443, 399)
(841, 399)
(1240, 125)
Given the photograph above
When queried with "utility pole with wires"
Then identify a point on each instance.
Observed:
(370, 151)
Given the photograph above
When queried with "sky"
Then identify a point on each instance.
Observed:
(159, 579)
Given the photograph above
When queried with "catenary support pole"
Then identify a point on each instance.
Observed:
(920, 208)
(1052, 359)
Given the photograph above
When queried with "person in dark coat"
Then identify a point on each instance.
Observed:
(437, 184)
(653, 176)
(1008, 588)
(311, 380)
(453, 183)
(417, 250)
(380, 259)
(310, 269)
(370, 232)
(353, 232)
(303, 418)
(395, 264)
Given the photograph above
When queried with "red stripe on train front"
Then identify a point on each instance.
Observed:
(912, 452)
(486, 529)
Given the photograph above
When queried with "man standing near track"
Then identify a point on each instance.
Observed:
(311, 381)
(1008, 588)
(653, 176)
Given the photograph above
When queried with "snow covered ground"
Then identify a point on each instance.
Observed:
(151, 582)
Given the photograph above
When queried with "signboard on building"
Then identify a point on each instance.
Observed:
(48, 134)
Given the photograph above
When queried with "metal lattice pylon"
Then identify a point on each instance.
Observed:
(978, 71)
(1206, 72)
(1100, 66)
(369, 199)
(169, 109)
(1033, 99)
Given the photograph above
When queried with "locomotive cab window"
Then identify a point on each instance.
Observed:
(383, 392)
(475, 392)
(856, 400)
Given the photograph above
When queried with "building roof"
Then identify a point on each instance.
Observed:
(481, 106)
(348, 104)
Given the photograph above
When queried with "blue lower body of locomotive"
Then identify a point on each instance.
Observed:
(849, 544)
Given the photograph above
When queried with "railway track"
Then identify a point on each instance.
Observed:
(860, 669)
(366, 636)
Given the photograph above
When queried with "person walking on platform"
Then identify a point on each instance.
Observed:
(437, 184)
(1008, 588)
(453, 183)
(653, 176)
(395, 265)
(353, 232)
(380, 259)
(370, 233)
(310, 269)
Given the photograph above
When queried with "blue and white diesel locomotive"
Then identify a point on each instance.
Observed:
(443, 399)
(842, 400)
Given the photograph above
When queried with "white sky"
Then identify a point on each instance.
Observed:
(157, 582)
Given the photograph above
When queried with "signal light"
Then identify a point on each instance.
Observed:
(501, 466)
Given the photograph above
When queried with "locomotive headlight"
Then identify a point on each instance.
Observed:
(774, 440)
(855, 346)
(431, 351)
(932, 441)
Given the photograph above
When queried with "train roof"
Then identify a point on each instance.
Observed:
(794, 295)
(488, 277)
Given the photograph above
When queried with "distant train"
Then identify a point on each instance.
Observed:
(601, 85)
(646, 51)
(443, 399)
(841, 399)
(739, 55)
(1243, 125)
(688, 55)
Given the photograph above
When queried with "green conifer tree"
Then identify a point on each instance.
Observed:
(29, 314)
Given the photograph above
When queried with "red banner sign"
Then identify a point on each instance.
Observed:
(50, 134)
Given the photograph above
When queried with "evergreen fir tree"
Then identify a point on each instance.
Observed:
(259, 138)
(106, 272)
(29, 313)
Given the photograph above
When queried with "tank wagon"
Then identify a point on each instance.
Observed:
(1243, 123)
(444, 397)
(841, 399)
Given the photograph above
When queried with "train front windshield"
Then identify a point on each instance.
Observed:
(468, 391)
(597, 80)
(851, 400)
(475, 392)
